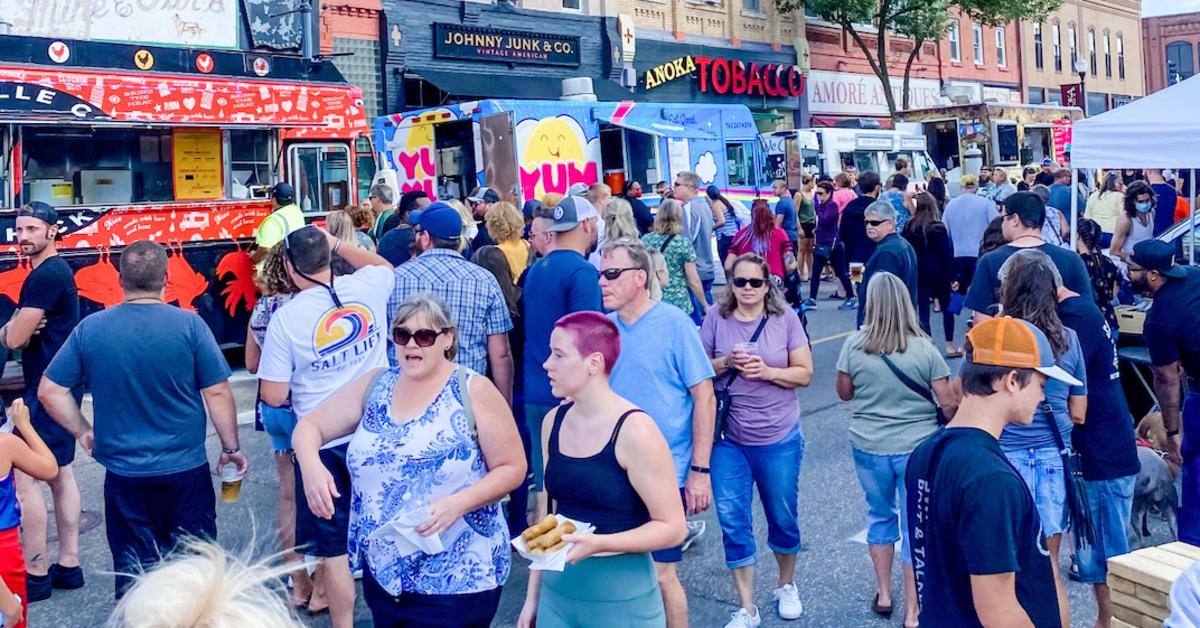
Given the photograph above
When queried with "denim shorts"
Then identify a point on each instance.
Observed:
(1042, 471)
(775, 468)
(279, 424)
(1110, 502)
(882, 479)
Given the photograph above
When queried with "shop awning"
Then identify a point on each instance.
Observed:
(462, 84)
(655, 126)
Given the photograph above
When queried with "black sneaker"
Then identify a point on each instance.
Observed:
(66, 577)
(37, 588)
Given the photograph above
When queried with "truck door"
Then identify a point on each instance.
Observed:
(321, 174)
(497, 137)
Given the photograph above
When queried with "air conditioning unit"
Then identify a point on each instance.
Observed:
(578, 89)
(960, 94)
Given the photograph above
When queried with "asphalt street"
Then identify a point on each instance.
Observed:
(833, 571)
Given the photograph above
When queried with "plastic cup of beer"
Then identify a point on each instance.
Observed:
(748, 347)
(856, 272)
(231, 483)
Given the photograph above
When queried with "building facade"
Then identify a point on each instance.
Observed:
(1105, 34)
(1170, 44)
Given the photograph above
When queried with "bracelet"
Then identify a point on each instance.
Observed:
(231, 451)
(1172, 432)
(699, 469)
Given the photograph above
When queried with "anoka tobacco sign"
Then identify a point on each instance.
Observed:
(725, 76)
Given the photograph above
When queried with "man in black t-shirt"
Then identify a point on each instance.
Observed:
(47, 312)
(1174, 343)
(977, 546)
(1024, 213)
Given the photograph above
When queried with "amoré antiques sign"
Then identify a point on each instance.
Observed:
(451, 41)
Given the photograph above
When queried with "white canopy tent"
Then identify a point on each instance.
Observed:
(1161, 130)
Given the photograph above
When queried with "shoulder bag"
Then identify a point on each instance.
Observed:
(1078, 509)
(724, 399)
(463, 387)
(915, 387)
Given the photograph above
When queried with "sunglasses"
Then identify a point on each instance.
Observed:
(612, 274)
(874, 223)
(424, 337)
(741, 282)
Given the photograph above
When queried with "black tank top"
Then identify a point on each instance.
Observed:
(595, 489)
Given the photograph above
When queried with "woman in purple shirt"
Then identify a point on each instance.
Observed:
(760, 441)
(827, 249)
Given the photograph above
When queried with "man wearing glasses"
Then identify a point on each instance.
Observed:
(328, 335)
(893, 254)
(698, 226)
(1024, 214)
(1174, 344)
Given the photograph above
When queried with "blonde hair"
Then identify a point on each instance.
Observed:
(341, 226)
(504, 222)
(273, 278)
(598, 192)
(889, 319)
(551, 200)
(468, 219)
(618, 220)
(658, 264)
(669, 220)
(202, 585)
(435, 310)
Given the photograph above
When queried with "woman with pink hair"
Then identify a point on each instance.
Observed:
(765, 240)
(625, 488)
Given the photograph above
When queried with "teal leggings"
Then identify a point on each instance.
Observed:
(612, 592)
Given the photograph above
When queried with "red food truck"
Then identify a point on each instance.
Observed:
(184, 160)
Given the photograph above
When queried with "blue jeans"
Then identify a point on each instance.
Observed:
(1042, 471)
(882, 479)
(698, 309)
(278, 424)
(1110, 502)
(775, 468)
(1189, 510)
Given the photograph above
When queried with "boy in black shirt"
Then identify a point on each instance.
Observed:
(47, 311)
(977, 546)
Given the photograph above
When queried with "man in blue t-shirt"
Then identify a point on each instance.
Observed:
(785, 210)
(1171, 337)
(978, 551)
(664, 370)
(151, 369)
(558, 284)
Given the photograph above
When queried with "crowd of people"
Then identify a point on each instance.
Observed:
(435, 378)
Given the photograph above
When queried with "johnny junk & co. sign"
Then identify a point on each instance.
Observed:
(451, 41)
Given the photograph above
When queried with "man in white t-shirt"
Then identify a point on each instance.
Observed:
(327, 336)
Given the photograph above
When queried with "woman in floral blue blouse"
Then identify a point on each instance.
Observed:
(418, 469)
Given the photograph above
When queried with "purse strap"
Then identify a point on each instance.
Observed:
(666, 242)
(733, 373)
(908, 381)
(1048, 410)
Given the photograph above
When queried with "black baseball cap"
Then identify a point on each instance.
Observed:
(485, 195)
(1028, 206)
(283, 192)
(42, 211)
(1157, 256)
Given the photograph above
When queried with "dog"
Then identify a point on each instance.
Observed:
(185, 28)
(1155, 487)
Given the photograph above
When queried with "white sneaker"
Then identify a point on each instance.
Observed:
(695, 530)
(788, 598)
(743, 619)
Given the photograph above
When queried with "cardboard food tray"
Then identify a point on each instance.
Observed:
(556, 561)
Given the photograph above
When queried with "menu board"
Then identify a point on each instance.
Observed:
(198, 168)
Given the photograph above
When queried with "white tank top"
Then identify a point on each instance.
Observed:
(1139, 233)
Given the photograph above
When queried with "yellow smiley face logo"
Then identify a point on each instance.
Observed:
(553, 140)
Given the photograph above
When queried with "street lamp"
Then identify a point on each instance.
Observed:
(1081, 68)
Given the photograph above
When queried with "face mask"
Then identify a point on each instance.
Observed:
(1142, 207)
(636, 194)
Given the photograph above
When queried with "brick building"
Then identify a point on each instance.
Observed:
(1106, 34)
(1170, 42)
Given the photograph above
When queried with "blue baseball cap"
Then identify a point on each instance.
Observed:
(440, 220)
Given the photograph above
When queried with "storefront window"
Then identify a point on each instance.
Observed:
(251, 154)
(321, 175)
(97, 166)
(740, 163)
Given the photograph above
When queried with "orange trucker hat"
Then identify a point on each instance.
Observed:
(1015, 343)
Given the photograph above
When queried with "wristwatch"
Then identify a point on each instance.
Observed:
(697, 469)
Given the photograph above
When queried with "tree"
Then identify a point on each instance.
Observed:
(918, 20)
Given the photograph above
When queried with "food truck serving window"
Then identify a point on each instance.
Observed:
(70, 166)
(321, 175)
(740, 163)
(251, 156)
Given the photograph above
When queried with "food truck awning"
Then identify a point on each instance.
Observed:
(464, 84)
(655, 126)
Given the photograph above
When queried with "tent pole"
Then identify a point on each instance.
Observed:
(1192, 217)
(1074, 208)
